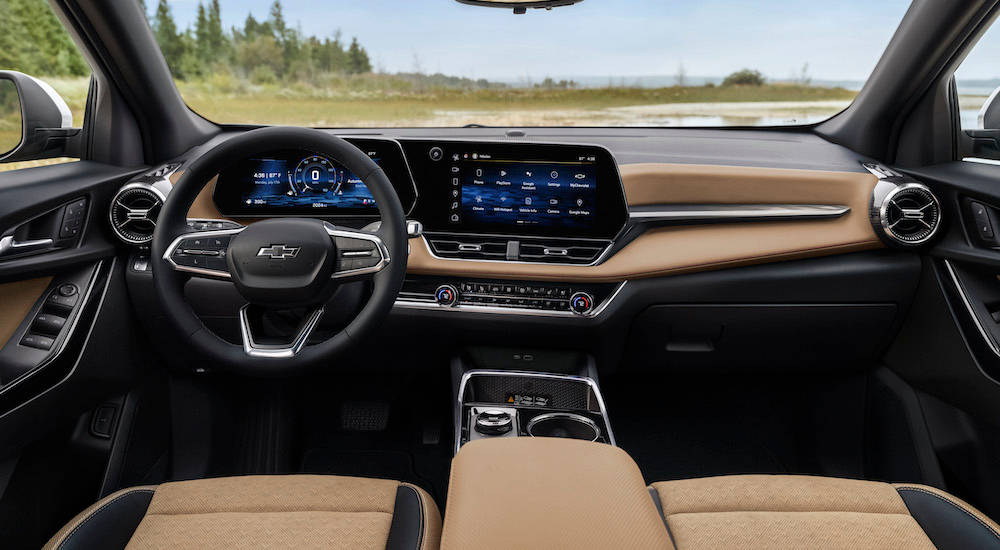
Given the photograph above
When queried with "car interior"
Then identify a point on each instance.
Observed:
(499, 336)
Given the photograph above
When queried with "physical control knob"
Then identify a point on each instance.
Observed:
(581, 303)
(494, 422)
(446, 295)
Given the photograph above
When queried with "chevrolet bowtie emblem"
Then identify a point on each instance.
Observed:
(278, 251)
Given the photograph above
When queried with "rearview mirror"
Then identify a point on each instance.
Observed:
(521, 6)
(35, 121)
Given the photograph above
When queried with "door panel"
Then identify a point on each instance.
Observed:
(58, 297)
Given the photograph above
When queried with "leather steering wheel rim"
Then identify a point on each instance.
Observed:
(172, 223)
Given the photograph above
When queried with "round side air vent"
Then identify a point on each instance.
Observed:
(909, 214)
(134, 211)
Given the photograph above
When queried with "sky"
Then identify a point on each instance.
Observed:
(839, 39)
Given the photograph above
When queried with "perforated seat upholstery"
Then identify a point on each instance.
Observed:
(296, 511)
(802, 512)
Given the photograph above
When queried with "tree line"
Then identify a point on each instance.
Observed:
(33, 41)
(263, 51)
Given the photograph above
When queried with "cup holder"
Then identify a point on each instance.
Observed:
(565, 425)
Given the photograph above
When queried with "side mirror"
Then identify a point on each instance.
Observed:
(35, 122)
(989, 115)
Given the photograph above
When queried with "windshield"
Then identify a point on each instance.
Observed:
(441, 63)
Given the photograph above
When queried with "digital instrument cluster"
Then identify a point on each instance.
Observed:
(300, 183)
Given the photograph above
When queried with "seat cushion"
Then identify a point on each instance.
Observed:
(804, 512)
(296, 511)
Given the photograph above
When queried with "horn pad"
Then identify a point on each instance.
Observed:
(284, 263)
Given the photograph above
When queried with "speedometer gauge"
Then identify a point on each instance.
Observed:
(315, 175)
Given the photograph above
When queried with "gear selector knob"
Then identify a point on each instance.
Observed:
(494, 422)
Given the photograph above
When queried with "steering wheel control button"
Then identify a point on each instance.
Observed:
(446, 295)
(581, 303)
(494, 422)
(436, 154)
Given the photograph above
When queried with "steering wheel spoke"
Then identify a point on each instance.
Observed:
(360, 254)
(202, 253)
(256, 347)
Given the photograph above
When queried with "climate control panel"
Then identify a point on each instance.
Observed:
(507, 296)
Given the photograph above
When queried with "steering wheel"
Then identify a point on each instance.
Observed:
(281, 263)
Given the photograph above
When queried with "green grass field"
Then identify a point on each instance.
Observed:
(385, 101)
(350, 107)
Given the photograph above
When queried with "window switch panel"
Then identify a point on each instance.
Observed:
(46, 323)
(37, 341)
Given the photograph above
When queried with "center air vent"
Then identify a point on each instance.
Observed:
(908, 215)
(134, 211)
(520, 249)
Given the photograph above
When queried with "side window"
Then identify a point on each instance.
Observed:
(44, 81)
(977, 80)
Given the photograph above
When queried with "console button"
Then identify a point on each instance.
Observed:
(581, 303)
(446, 295)
(67, 290)
(436, 154)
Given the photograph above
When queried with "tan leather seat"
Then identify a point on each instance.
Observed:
(803, 512)
(295, 511)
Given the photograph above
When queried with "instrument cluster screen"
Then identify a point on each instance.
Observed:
(495, 191)
(314, 182)
(300, 183)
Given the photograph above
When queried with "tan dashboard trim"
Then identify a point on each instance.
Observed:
(685, 249)
(203, 206)
(16, 300)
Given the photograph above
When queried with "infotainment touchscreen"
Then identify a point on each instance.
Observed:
(498, 191)
(518, 189)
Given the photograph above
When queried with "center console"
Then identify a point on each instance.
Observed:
(549, 493)
(494, 404)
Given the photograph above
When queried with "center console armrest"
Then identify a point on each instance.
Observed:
(542, 492)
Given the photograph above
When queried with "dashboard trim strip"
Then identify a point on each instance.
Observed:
(719, 213)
